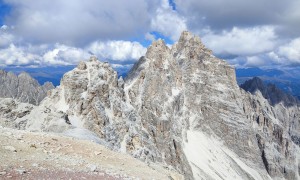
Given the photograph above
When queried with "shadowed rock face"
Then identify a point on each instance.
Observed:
(179, 106)
(273, 94)
(23, 87)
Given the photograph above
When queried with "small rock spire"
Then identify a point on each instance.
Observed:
(93, 58)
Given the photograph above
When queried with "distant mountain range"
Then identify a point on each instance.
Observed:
(23, 87)
(286, 79)
(43, 74)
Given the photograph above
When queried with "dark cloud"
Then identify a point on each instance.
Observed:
(220, 15)
(79, 22)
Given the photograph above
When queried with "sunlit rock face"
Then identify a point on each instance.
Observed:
(179, 106)
(184, 93)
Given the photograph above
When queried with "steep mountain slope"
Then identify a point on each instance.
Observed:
(186, 92)
(180, 107)
(277, 127)
(22, 87)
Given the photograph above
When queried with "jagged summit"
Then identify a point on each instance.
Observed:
(187, 38)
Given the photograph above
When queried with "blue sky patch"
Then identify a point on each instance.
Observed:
(172, 4)
(4, 10)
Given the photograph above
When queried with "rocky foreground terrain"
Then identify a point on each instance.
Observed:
(27, 155)
(22, 87)
(180, 107)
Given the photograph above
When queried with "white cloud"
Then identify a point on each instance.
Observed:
(13, 55)
(255, 61)
(220, 15)
(114, 51)
(242, 41)
(150, 37)
(6, 38)
(52, 32)
(4, 27)
(117, 50)
(291, 51)
(168, 22)
(64, 55)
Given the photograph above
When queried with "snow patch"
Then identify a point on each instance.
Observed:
(123, 148)
(62, 104)
(175, 92)
(84, 95)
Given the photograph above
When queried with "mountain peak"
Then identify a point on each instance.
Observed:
(190, 42)
(24, 75)
(189, 38)
(186, 35)
(156, 49)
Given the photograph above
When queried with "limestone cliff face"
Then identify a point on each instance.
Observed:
(22, 87)
(275, 118)
(183, 91)
(181, 107)
(186, 90)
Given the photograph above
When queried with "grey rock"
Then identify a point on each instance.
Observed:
(11, 110)
(23, 87)
(10, 148)
(81, 65)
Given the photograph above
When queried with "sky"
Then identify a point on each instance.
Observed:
(256, 33)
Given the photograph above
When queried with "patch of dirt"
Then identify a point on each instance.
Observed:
(28, 155)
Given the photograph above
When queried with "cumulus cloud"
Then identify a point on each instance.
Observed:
(150, 37)
(291, 51)
(123, 52)
(220, 15)
(52, 32)
(64, 55)
(117, 50)
(287, 54)
(79, 22)
(168, 22)
(6, 38)
(242, 41)
(13, 55)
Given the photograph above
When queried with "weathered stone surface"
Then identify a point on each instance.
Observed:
(275, 116)
(186, 88)
(11, 110)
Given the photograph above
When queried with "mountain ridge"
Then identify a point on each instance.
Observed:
(179, 106)
(23, 87)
